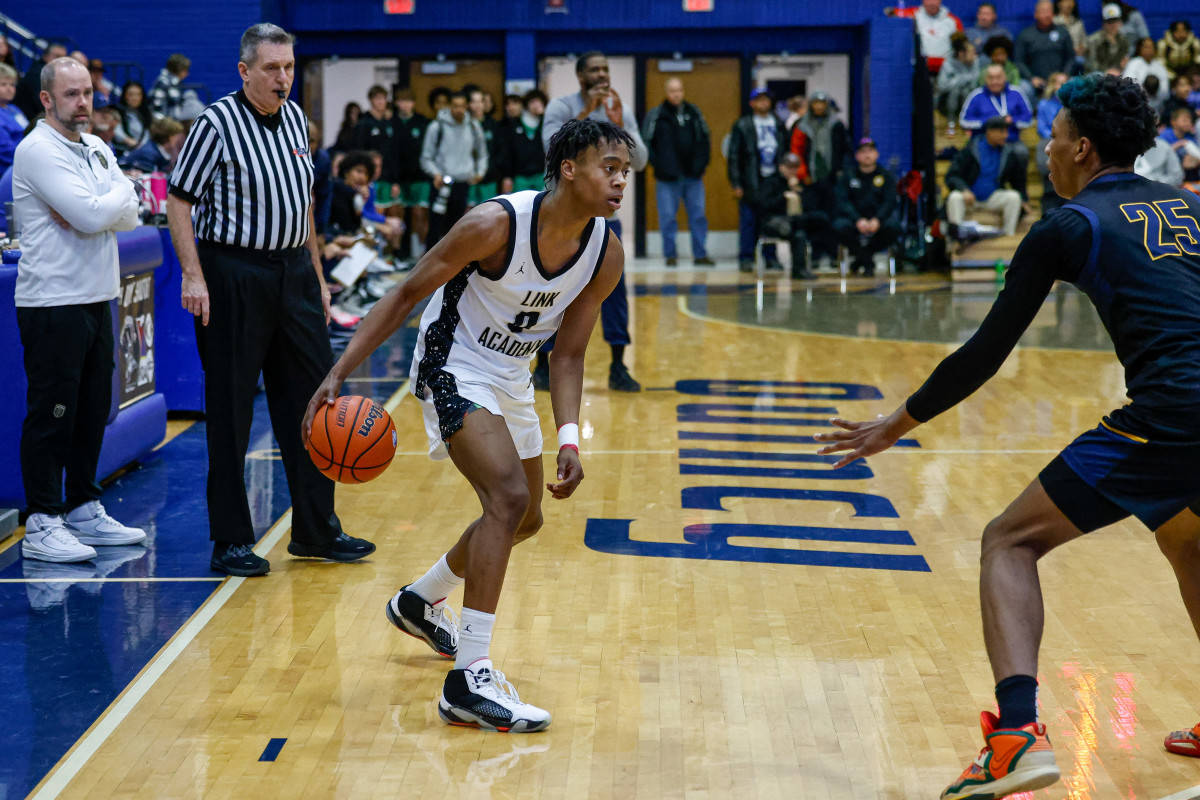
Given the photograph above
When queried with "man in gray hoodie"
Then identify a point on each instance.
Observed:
(455, 157)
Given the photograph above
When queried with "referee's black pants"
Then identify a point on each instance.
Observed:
(69, 367)
(265, 315)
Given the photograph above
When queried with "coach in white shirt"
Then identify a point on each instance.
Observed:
(71, 199)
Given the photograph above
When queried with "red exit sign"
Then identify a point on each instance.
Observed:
(698, 5)
(399, 6)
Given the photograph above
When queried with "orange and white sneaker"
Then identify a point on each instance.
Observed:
(1013, 760)
(1184, 743)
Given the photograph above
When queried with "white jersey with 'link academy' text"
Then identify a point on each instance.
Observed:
(483, 329)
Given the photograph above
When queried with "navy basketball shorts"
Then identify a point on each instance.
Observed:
(1106, 475)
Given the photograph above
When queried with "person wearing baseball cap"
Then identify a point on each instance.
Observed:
(1107, 48)
(755, 146)
(865, 219)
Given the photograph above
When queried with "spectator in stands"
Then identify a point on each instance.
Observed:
(985, 26)
(166, 96)
(1107, 48)
(1047, 110)
(1193, 74)
(159, 153)
(521, 140)
(958, 78)
(6, 52)
(102, 88)
(1044, 47)
(455, 157)
(514, 106)
(934, 24)
(486, 189)
(12, 120)
(1181, 136)
(998, 51)
(79, 56)
(1181, 90)
(756, 145)
(414, 184)
(105, 122)
(1146, 63)
(1067, 15)
(827, 153)
(350, 192)
(779, 206)
(1133, 25)
(322, 181)
(29, 87)
(439, 98)
(866, 216)
(135, 118)
(797, 107)
(980, 173)
(1160, 163)
(1179, 48)
(996, 98)
(376, 132)
(351, 115)
(679, 146)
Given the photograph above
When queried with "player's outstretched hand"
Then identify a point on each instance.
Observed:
(570, 473)
(864, 439)
(326, 395)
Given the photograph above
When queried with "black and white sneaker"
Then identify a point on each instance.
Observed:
(437, 626)
(480, 697)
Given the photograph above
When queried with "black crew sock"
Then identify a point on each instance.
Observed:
(1017, 697)
(618, 353)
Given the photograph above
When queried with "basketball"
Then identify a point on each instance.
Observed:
(352, 440)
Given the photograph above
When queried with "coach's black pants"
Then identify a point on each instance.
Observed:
(265, 316)
(69, 366)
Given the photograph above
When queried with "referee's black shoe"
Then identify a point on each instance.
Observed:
(237, 560)
(619, 379)
(343, 548)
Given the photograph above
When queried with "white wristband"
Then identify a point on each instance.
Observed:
(568, 436)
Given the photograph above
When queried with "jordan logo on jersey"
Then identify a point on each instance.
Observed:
(521, 269)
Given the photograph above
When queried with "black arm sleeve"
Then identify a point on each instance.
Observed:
(1056, 248)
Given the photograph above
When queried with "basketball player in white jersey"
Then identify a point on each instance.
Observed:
(508, 275)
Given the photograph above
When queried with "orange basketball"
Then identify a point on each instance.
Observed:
(352, 440)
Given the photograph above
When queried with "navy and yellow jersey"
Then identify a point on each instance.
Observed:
(1133, 246)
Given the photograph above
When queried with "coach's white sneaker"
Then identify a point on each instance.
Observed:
(91, 524)
(47, 540)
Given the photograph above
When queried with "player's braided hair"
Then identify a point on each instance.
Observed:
(576, 136)
(1114, 113)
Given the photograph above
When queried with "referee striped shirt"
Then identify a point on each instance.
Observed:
(249, 176)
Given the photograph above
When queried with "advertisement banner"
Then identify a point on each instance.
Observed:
(135, 337)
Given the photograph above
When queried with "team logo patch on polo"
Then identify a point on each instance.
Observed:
(59, 410)
(300, 152)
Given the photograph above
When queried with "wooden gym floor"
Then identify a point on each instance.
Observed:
(714, 614)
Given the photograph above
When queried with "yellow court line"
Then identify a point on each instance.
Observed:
(91, 741)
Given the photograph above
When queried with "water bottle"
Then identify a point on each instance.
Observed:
(442, 199)
(999, 266)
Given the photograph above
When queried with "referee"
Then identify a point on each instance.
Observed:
(253, 280)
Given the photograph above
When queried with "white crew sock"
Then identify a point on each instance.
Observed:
(474, 637)
(436, 585)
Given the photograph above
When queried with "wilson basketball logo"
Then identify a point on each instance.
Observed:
(375, 413)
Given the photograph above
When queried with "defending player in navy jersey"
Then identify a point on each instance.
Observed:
(1133, 246)
(506, 277)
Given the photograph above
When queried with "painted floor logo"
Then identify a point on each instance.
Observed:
(713, 540)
